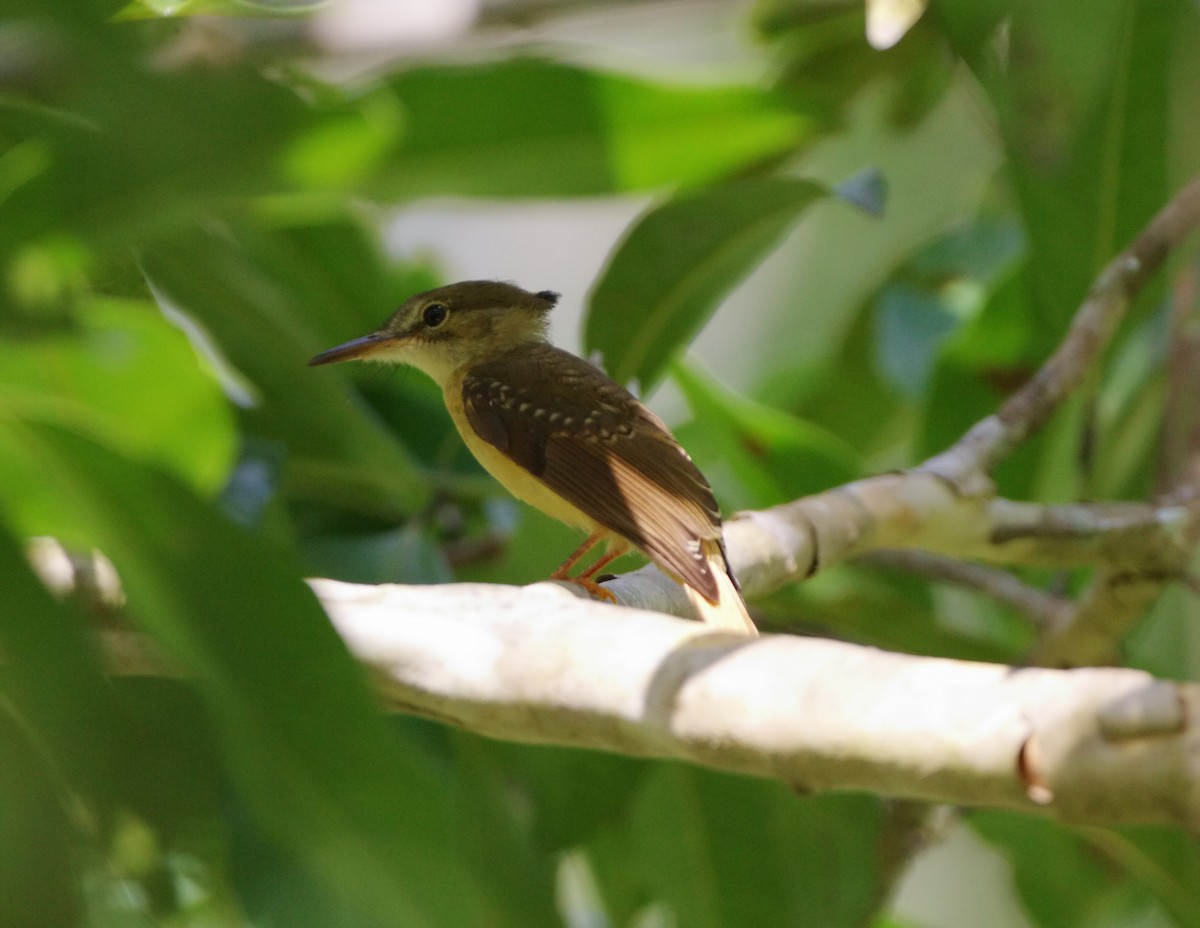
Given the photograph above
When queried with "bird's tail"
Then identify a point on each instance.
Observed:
(729, 611)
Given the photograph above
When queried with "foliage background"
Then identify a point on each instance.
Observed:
(189, 209)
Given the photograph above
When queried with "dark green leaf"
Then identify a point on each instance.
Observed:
(826, 61)
(1071, 878)
(499, 841)
(1084, 119)
(676, 265)
(721, 851)
(53, 677)
(312, 759)
(771, 455)
(530, 127)
(267, 301)
(38, 884)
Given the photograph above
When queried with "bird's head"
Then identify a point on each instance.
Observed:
(442, 330)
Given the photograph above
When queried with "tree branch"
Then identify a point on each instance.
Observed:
(1045, 610)
(1023, 413)
(538, 665)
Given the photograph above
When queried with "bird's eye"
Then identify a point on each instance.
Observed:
(434, 315)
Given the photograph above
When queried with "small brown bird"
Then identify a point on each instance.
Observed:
(561, 435)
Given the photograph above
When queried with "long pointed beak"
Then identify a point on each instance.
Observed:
(354, 350)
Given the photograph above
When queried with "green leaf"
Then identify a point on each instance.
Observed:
(530, 127)
(718, 850)
(306, 747)
(267, 300)
(826, 63)
(38, 883)
(772, 455)
(141, 154)
(1080, 878)
(678, 262)
(130, 378)
(53, 681)
(499, 842)
(1084, 118)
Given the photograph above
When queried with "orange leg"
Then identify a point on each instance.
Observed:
(585, 579)
(564, 570)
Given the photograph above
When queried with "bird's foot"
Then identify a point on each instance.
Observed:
(592, 587)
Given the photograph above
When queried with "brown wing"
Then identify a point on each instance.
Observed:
(601, 450)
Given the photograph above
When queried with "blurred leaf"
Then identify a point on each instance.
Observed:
(356, 139)
(530, 127)
(678, 262)
(1165, 860)
(1129, 411)
(402, 555)
(958, 398)
(1093, 877)
(912, 326)
(139, 156)
(825, 60)
(567, 794)
(1060, 880)
(718, 850)
(266, 300)
(38, 885)
(774, 456)
(129, 377)
(957, 302)
(1084, 119)
(847, 396)
(53, 681)
(321, 774)
(498, 840)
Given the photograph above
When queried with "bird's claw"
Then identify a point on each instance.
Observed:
(593, 589)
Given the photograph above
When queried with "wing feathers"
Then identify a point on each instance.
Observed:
(602, 451)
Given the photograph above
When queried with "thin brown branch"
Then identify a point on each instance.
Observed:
(1093, 326)
(1045, 610)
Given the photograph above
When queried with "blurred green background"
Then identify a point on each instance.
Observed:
(195, 197)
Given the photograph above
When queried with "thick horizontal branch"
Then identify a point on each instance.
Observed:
(535, 664)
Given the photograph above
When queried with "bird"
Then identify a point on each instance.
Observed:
(561, 435)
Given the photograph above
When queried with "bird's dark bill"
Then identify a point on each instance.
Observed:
(353, 350)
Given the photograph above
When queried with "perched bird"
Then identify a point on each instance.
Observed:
(561, 435)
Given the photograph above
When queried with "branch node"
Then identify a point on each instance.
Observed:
(1157, 709)
(1029, 770)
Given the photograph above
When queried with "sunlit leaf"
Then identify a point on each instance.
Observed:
(529, 127)
(131, 378)
(676, 265)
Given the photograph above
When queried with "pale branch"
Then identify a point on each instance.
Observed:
(1093, 326)
(534, 664)
(919, 511)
